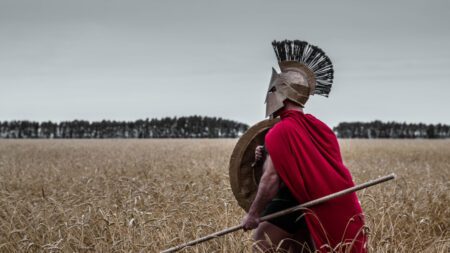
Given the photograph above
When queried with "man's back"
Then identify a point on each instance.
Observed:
(306, 155)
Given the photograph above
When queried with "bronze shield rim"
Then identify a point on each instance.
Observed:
(242, 175)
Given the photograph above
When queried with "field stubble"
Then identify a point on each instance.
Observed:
(149, 195)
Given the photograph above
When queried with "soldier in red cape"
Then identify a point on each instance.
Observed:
(303, 162)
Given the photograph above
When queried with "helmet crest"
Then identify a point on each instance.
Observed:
(311, 56)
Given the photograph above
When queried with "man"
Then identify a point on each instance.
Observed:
(303, 162)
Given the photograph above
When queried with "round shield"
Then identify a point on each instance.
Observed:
(244, 172)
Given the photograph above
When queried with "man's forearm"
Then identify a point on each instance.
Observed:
(266, 191)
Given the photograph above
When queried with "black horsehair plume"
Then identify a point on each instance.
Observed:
(311, 56)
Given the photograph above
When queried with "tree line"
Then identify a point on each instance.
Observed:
(378, 129)
(200, 127)
(181, 127)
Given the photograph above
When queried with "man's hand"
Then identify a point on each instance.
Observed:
(259, 153)
(250, 221)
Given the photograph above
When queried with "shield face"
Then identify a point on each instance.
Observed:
(244, 178)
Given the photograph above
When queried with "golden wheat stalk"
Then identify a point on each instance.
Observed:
(284, 212)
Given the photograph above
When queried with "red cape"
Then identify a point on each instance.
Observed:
(306, 155)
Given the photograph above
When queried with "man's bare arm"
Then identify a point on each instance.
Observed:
(269, 186)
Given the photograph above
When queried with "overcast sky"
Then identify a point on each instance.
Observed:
(125, 60)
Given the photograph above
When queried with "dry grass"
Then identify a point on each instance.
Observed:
(148, 195)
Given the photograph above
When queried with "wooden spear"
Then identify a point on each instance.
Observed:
(286, 211)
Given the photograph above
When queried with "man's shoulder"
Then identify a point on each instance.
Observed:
(281, 128)
(307, 124)
(318, 124)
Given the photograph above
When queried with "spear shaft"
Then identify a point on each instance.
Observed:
(284, 212)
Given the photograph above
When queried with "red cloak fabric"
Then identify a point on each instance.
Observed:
(306, 155)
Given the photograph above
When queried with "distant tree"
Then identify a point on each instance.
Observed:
(182, 127)
(378, 129)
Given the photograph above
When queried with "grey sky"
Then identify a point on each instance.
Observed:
(124, 60)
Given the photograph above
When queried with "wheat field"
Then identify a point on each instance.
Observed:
(149, 195)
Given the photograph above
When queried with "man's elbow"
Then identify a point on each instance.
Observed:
(273, 179)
